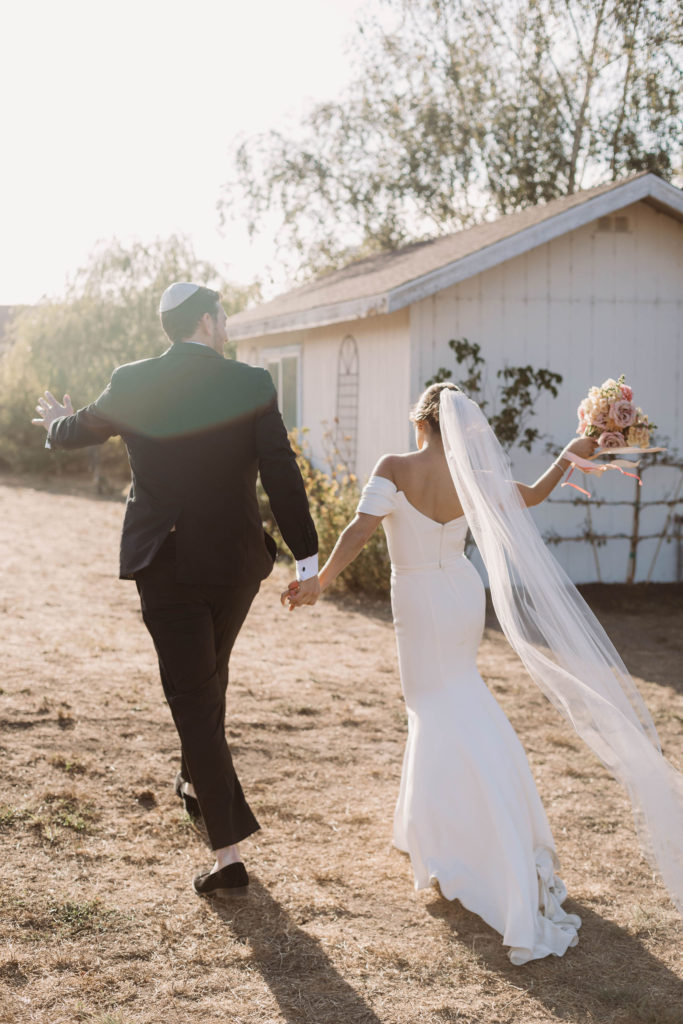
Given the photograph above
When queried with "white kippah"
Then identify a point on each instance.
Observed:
(176, 294)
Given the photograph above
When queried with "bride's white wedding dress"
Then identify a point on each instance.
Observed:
(468, 811)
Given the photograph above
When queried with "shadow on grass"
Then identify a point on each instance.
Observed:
(306, 985)
(643, 621)
(608, 977)
(371, 607)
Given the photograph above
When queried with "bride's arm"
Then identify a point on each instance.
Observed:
(534, 494)
(351, 542)
(355, 536)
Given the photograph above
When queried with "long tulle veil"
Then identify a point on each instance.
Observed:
(562, 644)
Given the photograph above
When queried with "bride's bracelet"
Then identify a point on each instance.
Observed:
(556, 464)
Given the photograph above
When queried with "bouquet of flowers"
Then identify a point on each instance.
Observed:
(609, 415)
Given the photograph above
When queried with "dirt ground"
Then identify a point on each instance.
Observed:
(99, 921)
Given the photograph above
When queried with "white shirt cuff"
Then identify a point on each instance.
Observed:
(306, 568)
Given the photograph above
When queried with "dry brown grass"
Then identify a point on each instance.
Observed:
(99, 923)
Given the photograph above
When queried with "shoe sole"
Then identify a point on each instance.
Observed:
(224, 894)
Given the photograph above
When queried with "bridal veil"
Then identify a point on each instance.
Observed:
(563, 646)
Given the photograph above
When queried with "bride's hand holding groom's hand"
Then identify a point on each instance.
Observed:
(350, 543)
(300, 592)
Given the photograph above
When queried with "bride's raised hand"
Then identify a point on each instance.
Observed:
(584, 447)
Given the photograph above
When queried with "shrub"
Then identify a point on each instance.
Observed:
(333, 496)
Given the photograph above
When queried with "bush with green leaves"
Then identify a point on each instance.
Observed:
(333, 496)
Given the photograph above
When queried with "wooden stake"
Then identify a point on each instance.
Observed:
(631, 571)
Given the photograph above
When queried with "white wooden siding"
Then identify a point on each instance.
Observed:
(588, 305)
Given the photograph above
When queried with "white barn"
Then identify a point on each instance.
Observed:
(589, 286)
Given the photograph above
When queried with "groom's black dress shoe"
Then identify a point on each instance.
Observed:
(190, 803)
(232, 879)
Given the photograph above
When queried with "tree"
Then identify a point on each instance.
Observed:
(108, 316)
(464, 108)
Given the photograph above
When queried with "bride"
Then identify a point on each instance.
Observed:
(468, 811)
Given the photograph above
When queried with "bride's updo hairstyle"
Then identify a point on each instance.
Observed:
(426, 409)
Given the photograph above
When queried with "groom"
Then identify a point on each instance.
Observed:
(198, 429)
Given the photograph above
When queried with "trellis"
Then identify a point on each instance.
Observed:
(347, 401)
(671, 532)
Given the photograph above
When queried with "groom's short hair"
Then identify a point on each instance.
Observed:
(181, 322)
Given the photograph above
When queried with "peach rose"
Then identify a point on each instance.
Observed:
(611, 439)
(627, 392)
(622, 413)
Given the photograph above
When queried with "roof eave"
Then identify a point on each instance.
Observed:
(663, 196)
(320, 316)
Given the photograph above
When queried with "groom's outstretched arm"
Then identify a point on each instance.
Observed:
(284, 486)
(68, 429)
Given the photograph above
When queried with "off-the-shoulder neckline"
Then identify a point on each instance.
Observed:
(410, 504)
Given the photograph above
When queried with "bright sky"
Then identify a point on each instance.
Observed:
(118, 119)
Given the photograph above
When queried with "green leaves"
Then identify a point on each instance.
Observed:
(515, 397)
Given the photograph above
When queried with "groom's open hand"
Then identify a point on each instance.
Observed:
(301, 592)
(49, 410)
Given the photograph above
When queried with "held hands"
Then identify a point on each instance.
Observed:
(49, 410)
(301, 592)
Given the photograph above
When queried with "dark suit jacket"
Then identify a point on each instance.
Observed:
(198, 428)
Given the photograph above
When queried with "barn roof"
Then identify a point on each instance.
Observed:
(390, 281)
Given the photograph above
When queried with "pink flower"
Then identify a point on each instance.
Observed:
(599, 419)
(627, 392)
(623, 413)
(611, 439)
(582, 419)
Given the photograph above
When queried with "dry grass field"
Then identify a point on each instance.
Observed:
(99, 921)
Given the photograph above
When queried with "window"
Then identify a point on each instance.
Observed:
(283, 366)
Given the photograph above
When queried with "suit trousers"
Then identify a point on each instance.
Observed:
(194, 628)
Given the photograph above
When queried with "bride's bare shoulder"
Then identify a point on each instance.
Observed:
(389, 465)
